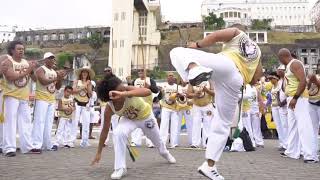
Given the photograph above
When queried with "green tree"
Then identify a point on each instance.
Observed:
(211, 22)
(264, 24)
(33, 53)
(63, 57)
(157, 73)
(95, 42)
(271, 63)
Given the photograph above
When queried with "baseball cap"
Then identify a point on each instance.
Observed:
(48, 54)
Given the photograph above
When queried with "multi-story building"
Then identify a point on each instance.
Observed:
(315, 14)
(7, 33)
(134, 35)
(308, 52)
(53, 37)
(283, 13)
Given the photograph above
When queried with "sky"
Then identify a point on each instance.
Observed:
(78, 13)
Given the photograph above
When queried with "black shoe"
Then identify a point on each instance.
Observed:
(35, 151)
(283, 155)
(310, 161)
(205, 76)
(282, 149)
(67, 146)
(0, 150)
(10, 154)
(54, 148)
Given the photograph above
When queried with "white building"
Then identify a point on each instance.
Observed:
(315, 14)
(134, 35)
(282, 12)
(7, 33)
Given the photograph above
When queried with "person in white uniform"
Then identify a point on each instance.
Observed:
(82, 89)
(2, 58)
(16, 89)
(202, 111)
(237, 64)
(314, 103)
(135, 112)
(48, 81)
(300, 127)
(275, 108)
(169, 113)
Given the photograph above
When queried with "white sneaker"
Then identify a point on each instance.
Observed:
(210, 172)
(119, 173)
(169, 158)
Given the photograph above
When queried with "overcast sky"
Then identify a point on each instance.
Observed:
(79, 13)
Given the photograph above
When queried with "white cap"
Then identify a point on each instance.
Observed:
(47, 55)
(282, 67)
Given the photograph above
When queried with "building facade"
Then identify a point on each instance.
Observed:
(134, 36)
(293, 13)
(7, 33)
(52, 37)
(308, 51)
(315, 14)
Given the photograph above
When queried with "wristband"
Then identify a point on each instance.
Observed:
(197, 44)
(296, 97)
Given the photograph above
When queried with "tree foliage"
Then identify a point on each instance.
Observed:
(264, 24)
(95, 42)
(271, 63)
(212, 22)
(63, 57)
(33, 53)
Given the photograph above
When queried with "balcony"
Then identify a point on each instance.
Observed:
(141, 5)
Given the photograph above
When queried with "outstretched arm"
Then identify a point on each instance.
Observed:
(132, 91)
(224, 35)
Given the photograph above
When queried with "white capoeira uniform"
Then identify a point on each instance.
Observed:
(300, 125)
(94, 115)
(1, 104)
(314, 108)
(44, 109)
(203, 112)
(135, 113)
(256, 117)
(279, 115)
(82, 115)
(17, 113)
(169, 114)
(184, 106)
(136, 135)
(64, 135)
(231, 68)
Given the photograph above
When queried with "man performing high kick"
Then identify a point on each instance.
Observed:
(236, 65)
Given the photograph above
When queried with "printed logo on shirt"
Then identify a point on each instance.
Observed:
(22, 82)
(248, 48)
(314, 89)
(131, 112)
(83, 93)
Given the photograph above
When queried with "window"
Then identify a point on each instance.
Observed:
(305, 60)
(221, 15)
(260, 37)
(235, 14)
(123, 15)
(121, 71)
(37, 37)
(116, 16)
(45, 37)
(4, 34)
(71, 36)
(313, 51)
(54, 37)
(89, 34)
(114, 44)
(121, 43)
(239, 16)
(80, 35)
(303, 50)
(230, 14)
(245, 15)
(29, 38)
(62, 36)
(226, 14)
(143, 26)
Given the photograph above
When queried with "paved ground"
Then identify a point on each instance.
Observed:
(74, 164)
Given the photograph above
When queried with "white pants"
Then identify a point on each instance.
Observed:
(187, 114)
(227, 84)
(169, 116)
(114, 122)
(82, 112)
(256, 127)
(301, 131)
(314, 112)
(42, 124)
(122, 131)
(17, 113)
(202, 117)
(283, 111)
(247, 123)
(280, 126)
(63, 135)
